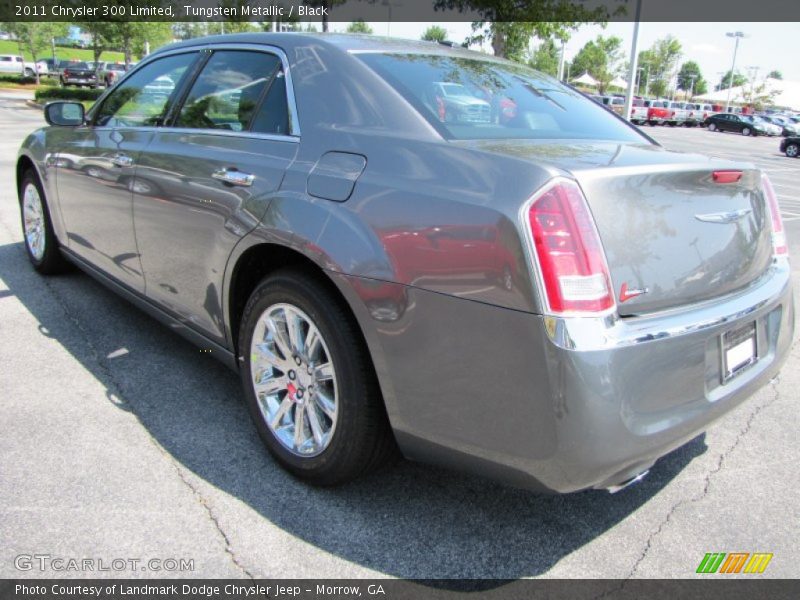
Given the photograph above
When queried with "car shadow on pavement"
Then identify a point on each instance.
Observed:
(409, 520)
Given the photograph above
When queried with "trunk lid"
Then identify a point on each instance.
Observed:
(667, 226)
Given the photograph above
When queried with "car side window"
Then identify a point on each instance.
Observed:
(142, 99)
(273, 114)
(228, 90)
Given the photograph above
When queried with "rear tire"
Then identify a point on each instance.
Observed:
(792, 150)
(746, 132)
(343, 428)
(37, 228)
(712, 127)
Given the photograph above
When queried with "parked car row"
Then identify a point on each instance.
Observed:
(75, 72)
(666, 112)
(747, 125)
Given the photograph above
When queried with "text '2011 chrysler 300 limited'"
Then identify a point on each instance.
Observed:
(401, 245)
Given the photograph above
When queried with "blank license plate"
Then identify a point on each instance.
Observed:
(739, 350)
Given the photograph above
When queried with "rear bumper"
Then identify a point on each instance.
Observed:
(641, 387)
(565, 404)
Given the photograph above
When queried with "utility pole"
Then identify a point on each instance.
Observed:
(633, 61)
(738, 35)
(561, 61)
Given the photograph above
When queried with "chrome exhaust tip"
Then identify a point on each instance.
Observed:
(613, 489)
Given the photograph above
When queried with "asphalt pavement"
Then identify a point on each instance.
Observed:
(122, 441)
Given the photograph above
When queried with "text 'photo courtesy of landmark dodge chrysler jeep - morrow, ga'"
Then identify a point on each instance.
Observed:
(402, 246)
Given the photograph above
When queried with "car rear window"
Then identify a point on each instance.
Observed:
(468, 98)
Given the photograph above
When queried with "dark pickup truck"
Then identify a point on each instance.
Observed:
(79, 74)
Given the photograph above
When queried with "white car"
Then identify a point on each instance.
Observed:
(10, 63)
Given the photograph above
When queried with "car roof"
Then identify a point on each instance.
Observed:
(351, 43)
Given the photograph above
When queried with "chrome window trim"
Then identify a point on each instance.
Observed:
(291, 102)
(230, 133)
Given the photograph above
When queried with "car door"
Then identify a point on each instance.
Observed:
(206, 180)
(97, 164)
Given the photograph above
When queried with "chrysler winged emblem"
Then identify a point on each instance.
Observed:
(724, 217)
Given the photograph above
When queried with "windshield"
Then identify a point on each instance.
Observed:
(467, 98)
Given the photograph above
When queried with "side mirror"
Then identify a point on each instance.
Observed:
(65, 114)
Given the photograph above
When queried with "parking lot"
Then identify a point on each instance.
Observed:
(784, 173)
(120, 440)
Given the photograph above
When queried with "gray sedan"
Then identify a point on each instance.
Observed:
(408, 248)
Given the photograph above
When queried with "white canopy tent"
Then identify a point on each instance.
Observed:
(618, 82)
(586, 79)
(787, 93)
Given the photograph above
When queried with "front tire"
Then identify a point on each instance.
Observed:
(712, 127)
(40, 239)
(792, 150)
(746, 132)
(309, 383)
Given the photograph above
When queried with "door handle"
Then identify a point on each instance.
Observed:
(234, 177)
(122, 160)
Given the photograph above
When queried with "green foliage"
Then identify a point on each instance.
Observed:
(775, 75)
(434, 33)
(691, 79)
(600, 58)
(46, 94)
(725, 82)
(11, 47)
(23, 80)
(659, 63)
(510, 24)
(359, 27)
(546, 58)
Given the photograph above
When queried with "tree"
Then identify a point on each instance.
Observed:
(434, 33)
(690, 79)
(546, 58)
(601, 59)
(188, 31)
(725, 82)
(102, 34)
(774, 75)
(509, 24)
(659, 62)
(132, 37)
(34, 37)
(359, 27)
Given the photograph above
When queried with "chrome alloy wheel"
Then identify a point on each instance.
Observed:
(294, 380)
(33, 217)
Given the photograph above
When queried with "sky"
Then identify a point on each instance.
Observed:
(769, 46)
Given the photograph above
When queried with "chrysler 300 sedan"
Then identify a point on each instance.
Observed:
(517, 283)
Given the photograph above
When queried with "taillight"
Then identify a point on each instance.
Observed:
(568, 249)
(779, 246)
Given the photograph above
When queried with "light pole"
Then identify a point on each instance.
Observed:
(634, 60)
(738, 35)
(691, 87)
(561, 61)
